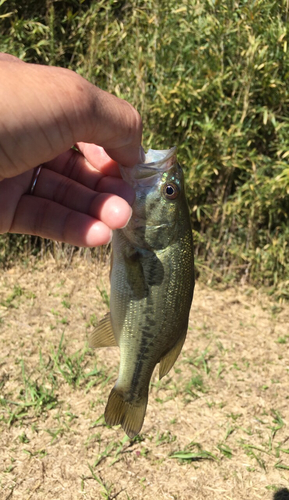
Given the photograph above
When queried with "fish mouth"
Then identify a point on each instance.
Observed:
(158, 158)
(157, 162)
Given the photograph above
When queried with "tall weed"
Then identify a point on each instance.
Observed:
(209, 76)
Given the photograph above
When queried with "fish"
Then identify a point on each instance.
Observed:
(152, 285)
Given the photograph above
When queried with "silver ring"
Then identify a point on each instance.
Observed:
(37, 171)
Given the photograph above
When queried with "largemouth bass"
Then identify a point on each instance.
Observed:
(152, 284)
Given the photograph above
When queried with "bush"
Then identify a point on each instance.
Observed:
(208, 76)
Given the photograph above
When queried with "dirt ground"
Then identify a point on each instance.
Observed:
(216, 427)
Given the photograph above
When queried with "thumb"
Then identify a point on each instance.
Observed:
(45, 110)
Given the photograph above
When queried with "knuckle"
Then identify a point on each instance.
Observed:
(133, 125)
(62, 191)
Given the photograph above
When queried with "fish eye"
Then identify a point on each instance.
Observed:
(171, 191)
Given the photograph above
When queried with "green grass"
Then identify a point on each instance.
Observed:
(193, 452)
(33, 397)
(39, 389)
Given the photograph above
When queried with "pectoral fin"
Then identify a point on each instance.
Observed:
(135, 275)
(168, 361)
(103, 335)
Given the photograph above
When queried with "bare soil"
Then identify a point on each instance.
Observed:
(223, 407)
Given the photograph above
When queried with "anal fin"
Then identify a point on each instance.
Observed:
(103, 335)
(168, 361)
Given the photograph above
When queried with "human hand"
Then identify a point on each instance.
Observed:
(79, 196)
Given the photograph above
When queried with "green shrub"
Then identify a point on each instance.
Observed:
(208, 76)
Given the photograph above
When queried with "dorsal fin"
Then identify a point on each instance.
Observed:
(103, 335)
(168, 361)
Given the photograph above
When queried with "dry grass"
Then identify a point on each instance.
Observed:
(223, 409)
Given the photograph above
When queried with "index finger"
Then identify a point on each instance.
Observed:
(99, 159)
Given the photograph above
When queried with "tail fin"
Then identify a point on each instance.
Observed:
(129, 414)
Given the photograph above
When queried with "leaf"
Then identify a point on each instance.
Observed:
(192, 456)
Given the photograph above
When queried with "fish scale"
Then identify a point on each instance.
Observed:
(152, 284)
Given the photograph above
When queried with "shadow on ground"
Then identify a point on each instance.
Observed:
(281, 494)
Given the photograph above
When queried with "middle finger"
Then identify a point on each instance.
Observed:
(103, 205)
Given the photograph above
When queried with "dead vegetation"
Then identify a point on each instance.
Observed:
(216, 426)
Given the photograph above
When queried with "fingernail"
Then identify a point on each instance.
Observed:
(122, 227)
(110, 239)
(142, 155)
